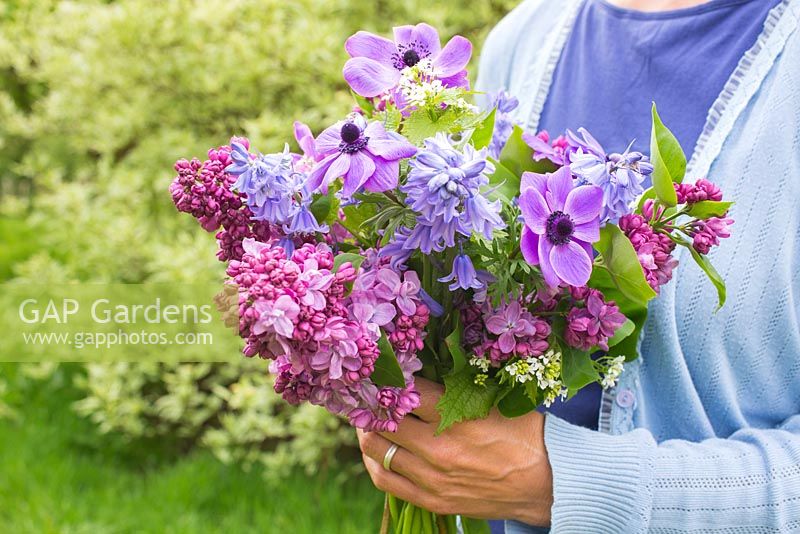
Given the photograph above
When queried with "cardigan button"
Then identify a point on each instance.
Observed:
(625, 398)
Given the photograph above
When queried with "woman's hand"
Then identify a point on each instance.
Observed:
(494, 468)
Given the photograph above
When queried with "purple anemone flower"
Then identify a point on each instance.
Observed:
(375, 62)
(561, 223)
(366, 155)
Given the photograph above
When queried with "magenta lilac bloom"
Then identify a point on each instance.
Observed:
(365, 155)
(543, 148)
(561, 223)
(594, 324)
(376, 62)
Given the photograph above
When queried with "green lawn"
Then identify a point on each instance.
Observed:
(57, 475)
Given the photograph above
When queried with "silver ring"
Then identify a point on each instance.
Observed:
(387, 458)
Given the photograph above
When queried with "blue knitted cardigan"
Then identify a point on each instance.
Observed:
(702, 434)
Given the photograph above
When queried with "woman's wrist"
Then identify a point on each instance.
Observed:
(534, 460)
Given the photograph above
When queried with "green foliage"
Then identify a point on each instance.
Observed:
(463, 401)
(622, 264)
(708, 208)
(59, 475)
(482, 135)
(713, 275)
(387, 369)
(577, 368)
(668, 159)
(455, 347)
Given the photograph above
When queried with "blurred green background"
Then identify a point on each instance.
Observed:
(97, 100)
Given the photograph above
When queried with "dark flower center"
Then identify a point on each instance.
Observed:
(410, 57)
(559, 228)
(350, 133)
(410, 54)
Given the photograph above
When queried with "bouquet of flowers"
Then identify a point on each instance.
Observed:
(421, 235)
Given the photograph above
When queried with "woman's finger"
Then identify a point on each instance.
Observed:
(401, 487)
(417, 436)
(403, 462)
(429, 392)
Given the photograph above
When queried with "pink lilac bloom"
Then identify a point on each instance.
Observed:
(706, 234)
(376, 62)
(511, 330)
(403, 291)
(697, 192)
(365, 155)
(204, 190)
(561, 223)
(555, 151)
(295, 311)
(593, 324)
(653, 249)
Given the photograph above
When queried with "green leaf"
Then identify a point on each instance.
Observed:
(648, 194)
(577, 368)
(453, 342)
(503, 183)
(709, 208)
(463, 399)
(622, 263)
(712, 273)
(668, 159)
(423, 123)
(321, 207)
(622, 332)
(365, 104)
(482, 135)
(517, 401)
(387, 370)
(475, 526)
(341, 259)
(517, 156)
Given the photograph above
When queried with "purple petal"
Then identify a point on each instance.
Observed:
(534, 210)
(535, 181)
(459, 79)
(454, 56)
(559, 184)
(589, 232)
(338, 168)
(369, 45)
(496, 324)
(389, 278)
(383, 145)
(426, 36)
(317, 175)
(328, 141)
(550, 276)
(304, 137)
(507, 342)
(584, 203)
(403, 35)
(571, 263)
(384, 312)
(529, 245)
(361, 168)
(385, 176)
(406, 305)
(369, 78)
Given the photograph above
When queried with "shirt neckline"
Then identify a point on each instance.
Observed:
(624, 12)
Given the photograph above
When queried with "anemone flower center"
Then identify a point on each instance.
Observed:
(352, 140)
(559, 228)
(410, 57)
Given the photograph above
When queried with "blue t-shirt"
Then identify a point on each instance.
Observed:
(618, 61)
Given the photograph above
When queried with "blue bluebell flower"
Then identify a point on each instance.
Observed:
(268, 181)
(620, 176)
(504, 103)
(444, 187)
(463, 275)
